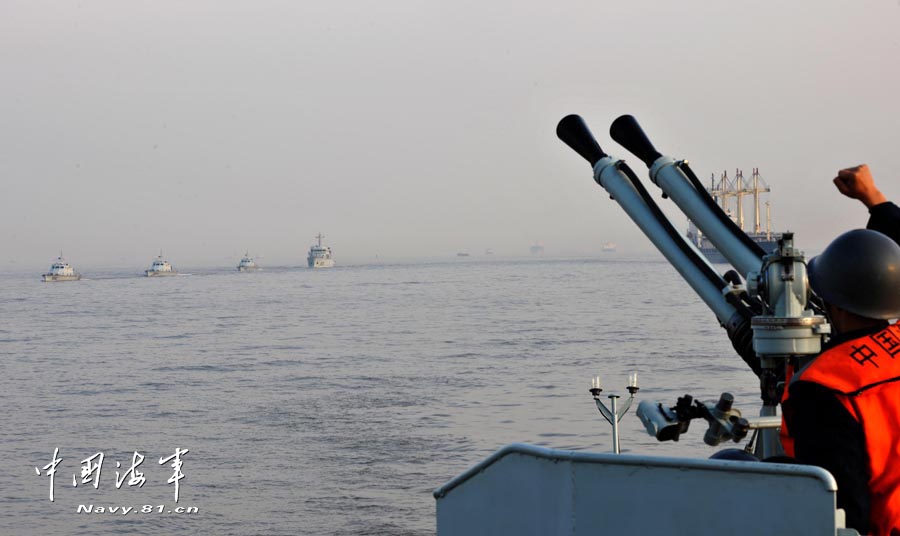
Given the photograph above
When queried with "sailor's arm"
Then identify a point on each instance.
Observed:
(857, 183)
(885, 218)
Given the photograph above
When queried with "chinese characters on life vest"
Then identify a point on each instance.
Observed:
(92, 466)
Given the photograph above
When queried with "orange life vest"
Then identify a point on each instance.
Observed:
(865, 376)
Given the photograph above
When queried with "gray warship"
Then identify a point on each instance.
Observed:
(320, 256)
(247, 264)
(60, 271)
(160, 268)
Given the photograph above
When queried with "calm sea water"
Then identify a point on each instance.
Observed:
(329, 401)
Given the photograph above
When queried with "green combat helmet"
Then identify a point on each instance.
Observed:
(859, 272)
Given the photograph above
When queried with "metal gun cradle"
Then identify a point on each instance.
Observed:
(770, 319)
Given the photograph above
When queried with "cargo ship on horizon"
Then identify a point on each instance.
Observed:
(729, 193)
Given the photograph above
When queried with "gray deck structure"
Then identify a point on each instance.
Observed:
(525, 490)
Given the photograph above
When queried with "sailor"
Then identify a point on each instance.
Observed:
(841, 409)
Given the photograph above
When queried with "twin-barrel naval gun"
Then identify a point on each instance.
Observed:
(764, 301)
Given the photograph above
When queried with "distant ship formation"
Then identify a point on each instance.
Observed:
(319, 255)
(729, 194)
(247, 264)
(160, 268)
(60, 271)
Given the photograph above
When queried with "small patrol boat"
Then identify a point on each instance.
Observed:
(320, 256)
(247, 264)
(160, 268)
(60, 271)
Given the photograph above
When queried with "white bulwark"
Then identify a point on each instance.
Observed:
(60, 271)
(160, 267)
(319, 255)
(523, 490)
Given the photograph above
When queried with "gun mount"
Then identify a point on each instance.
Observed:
(770, 320)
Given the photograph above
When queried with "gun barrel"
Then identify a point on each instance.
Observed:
(574, 132)
(611, 175)
(629, 134)
(617, 183)
(667, 173)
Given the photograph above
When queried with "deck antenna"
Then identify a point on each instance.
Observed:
(613, 414)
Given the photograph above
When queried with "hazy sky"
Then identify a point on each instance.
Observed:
(417, 128)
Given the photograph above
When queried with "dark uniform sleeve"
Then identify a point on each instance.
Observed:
(826, 435)
(885, 218)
